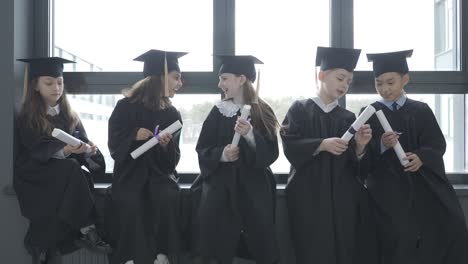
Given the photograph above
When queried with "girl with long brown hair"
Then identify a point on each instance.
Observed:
(54, 193)
(237, 186)
(145, 195)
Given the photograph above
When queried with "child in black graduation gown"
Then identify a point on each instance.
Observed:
(329, 215)
(54, 193)
(419, 215)
(237, 187)
(145, 194)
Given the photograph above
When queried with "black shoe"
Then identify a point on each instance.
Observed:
(45, 257)
(54, 257)
(39, 257)
(92, 241)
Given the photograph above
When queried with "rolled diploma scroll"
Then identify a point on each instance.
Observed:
(363, 117)
(244, 114)
(69, 139)
(154, 141)
(387, 128)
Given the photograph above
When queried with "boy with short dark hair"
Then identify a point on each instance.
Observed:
(419, 216)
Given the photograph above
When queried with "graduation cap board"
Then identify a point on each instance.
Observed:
(45, 66)
(160, 62)
(333, 58)
(155, 61)
(239, 64)
(390, 62)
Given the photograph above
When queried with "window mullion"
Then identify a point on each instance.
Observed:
(463, 27)
(223, 28)
(341, 23)
(42, 27)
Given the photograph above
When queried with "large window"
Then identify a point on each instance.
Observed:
(106, 35)
(427, 26)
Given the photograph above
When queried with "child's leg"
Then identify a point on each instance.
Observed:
(166, 211)
(259, 229)
(54, 257)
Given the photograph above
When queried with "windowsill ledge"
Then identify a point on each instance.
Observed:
(460, 189)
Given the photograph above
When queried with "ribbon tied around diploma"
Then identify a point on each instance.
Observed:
(156, 133)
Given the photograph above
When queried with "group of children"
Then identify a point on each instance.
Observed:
(348, 201)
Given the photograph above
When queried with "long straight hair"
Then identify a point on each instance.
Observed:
(148, 92)
(263, 117)
(33, 112)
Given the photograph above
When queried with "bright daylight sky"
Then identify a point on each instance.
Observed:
(285, 34)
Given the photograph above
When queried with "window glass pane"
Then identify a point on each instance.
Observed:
(285, 36)
(95, 110)
(427, 26)
(449, 111)
(280, 106)
(106, 35)
(194, 108)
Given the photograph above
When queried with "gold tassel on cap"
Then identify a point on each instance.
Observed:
(257, 90)
(166, 77)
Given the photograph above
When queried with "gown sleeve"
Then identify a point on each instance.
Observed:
(41, 147)
(372, 150)
(297, 148)
(209, 153)
(96, 163)
(431, 143)
(121, 132)
(265, 151)
(167, 157)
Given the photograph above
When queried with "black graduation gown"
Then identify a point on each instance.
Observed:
(419, 215)
(235, 196)
(54, 194)
(145, 194)
(328, 208)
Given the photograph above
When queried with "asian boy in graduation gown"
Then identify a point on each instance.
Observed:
(419, 216)
(329, 214)
(145, 194)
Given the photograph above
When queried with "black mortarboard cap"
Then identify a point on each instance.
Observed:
(45, 66)
(390, 62)
(239, 64)
(154, 61)
(333, 58)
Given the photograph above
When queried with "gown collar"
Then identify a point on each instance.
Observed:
(53, 110)
(326, 108)
(228, 108)
(400, 102)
